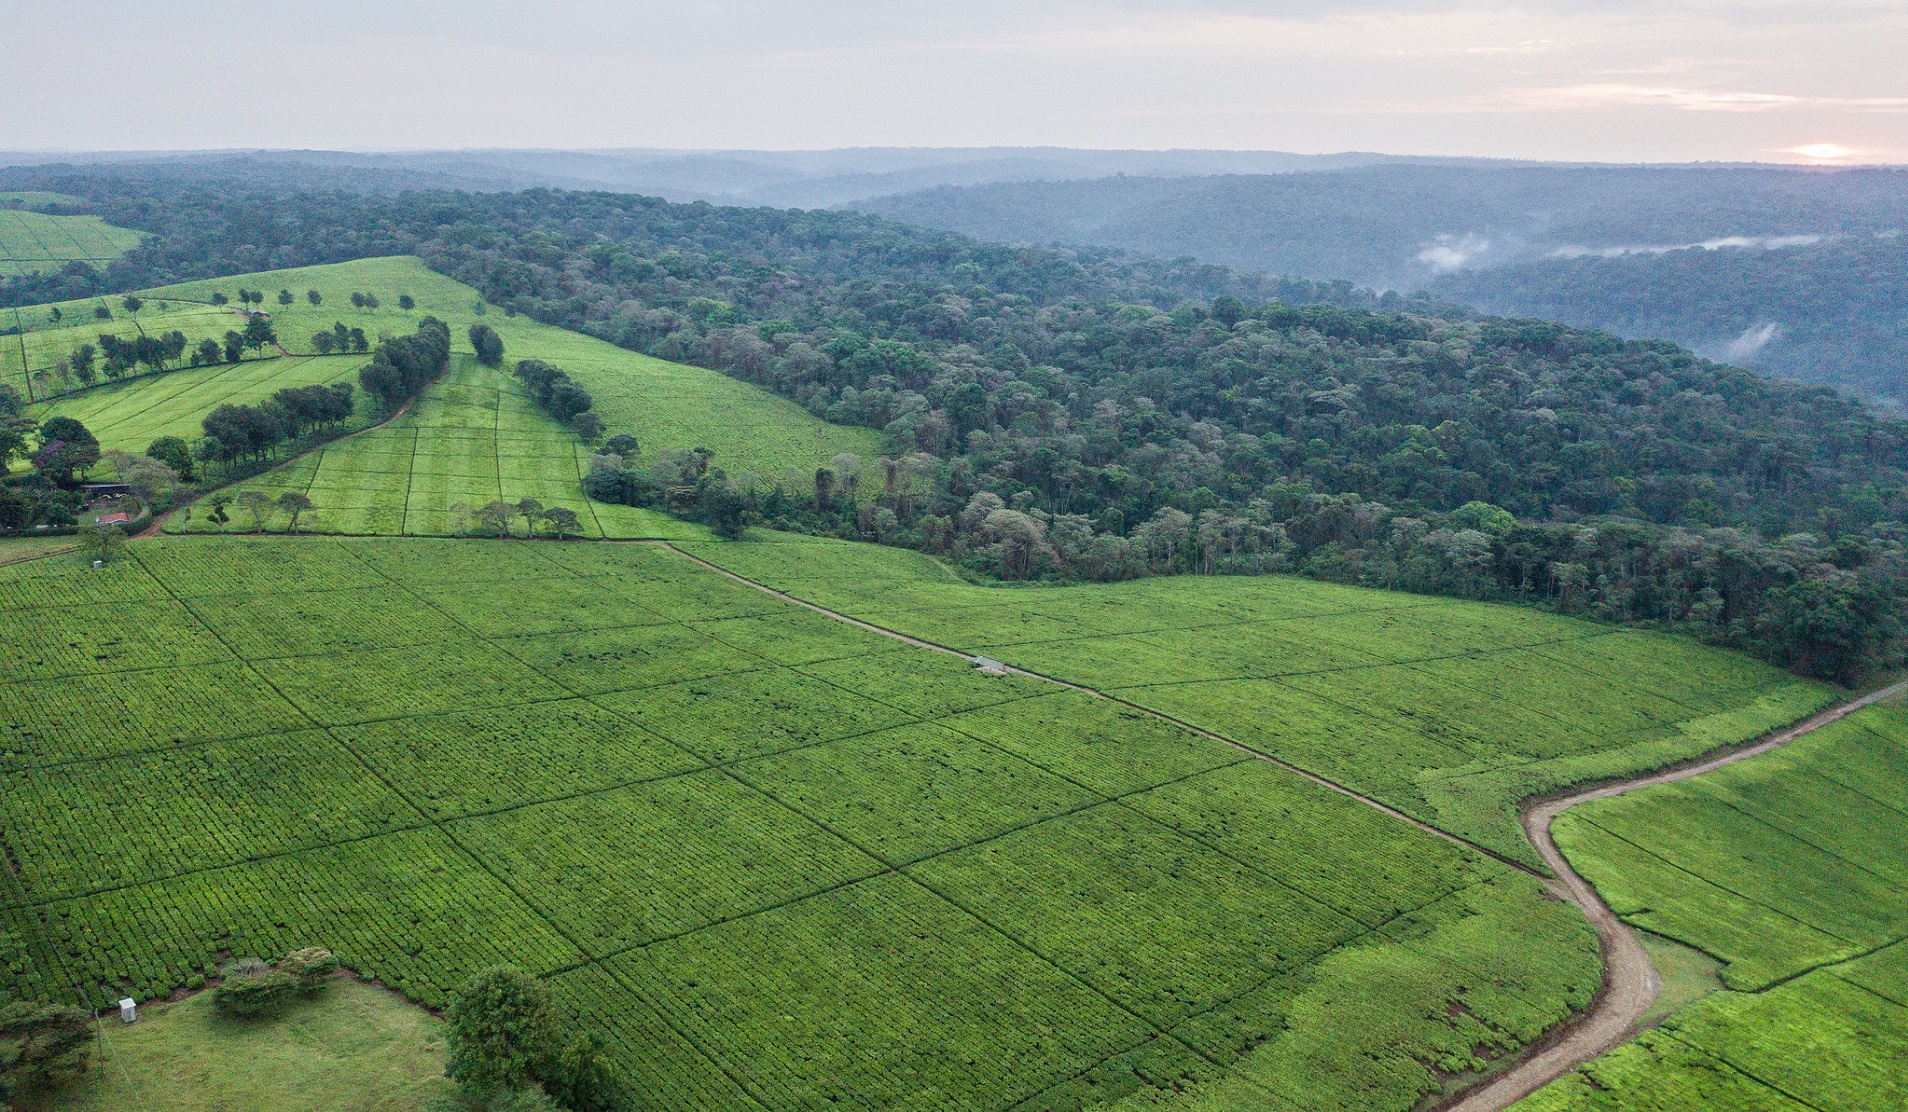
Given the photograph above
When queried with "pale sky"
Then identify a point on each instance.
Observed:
(1615, 80)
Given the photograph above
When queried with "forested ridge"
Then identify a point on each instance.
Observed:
(1100, 415)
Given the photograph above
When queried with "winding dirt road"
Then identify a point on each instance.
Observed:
(1630, 982)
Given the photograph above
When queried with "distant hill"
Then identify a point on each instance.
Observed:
(1790, 270)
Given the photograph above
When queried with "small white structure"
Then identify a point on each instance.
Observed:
(991, 667)
(99, 563)
(128, 1010)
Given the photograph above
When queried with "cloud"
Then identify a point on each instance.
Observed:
(1694, 100)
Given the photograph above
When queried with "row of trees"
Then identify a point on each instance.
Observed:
(341, 339)
(560, 397)
(118, 357)
(253, 432)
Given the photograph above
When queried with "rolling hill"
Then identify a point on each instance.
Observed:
(33, 242)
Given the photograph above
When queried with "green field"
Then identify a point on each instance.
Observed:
(1792, 869)
(132, 414)
(354, 1049)
(665, 405)
(776, 860)
(1453, 712)
(473, 438)
(32, 242)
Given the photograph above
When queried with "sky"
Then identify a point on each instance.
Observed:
(1604, 80)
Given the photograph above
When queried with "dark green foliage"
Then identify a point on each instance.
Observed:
(501, 1031)
(311, 967)
(41, 1047)
(583, 1076)
(260, 995)
(174, 453)
(487, 344)
(401, 367)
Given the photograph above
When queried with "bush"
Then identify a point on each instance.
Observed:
(254, 995)
(41, 1046)
(499, 1031)
(311, 967)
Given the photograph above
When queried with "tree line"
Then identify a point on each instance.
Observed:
(1096, 385)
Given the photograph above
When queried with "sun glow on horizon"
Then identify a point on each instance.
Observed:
(1821, 152)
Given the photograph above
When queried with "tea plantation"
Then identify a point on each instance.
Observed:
(474, 437)
(669, 405)
(1451, 712)
(775, 860)
(1792, 868)
(32, 242)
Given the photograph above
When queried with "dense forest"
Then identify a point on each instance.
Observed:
(1834, 311)
(1536, 241)
(1081, 413)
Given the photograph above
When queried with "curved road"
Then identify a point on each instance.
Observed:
(1630, 983)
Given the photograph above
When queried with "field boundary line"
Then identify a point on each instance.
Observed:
(1630, 982)
(1149, 711)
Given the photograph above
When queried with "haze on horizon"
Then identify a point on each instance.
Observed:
(1627, 80)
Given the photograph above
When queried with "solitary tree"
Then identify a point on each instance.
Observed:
(101, 542)
(294, 503)
(218, 516)
(405, 302)
(284, 297)
(314, 297)
(500, 1031)
(133, 304)
(259, 332)
(487, 344)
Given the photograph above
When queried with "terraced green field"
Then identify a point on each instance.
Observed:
(473, 438)
(1452, 712)
(1791, 868)
(776, 860)
(32, 242)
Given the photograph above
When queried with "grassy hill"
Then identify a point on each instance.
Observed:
(1792, 870)
(665, 405)
(33, 242)
(1453, 712)
(472, 438)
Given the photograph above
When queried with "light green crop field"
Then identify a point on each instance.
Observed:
(132, 414)
(665, 405)
(1792, 869)
(473, 438)
(27, 360)
(356, 1048)
(776, 860)
(1452, 712)
(31, 242)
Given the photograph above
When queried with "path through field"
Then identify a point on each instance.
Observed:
(1630, 982)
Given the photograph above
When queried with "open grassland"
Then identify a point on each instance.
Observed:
(473, 438)
(775, 860)
(32, 242)
(1452, 712)
(1792, 869)
(354, 1049)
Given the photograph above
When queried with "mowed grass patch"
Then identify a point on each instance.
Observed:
(1452, 712)
(356, 1047)
(762, 876)
(1786, 868)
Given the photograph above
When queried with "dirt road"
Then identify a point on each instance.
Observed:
(1630, 983)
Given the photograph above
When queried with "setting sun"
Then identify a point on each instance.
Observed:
(1821, 151)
